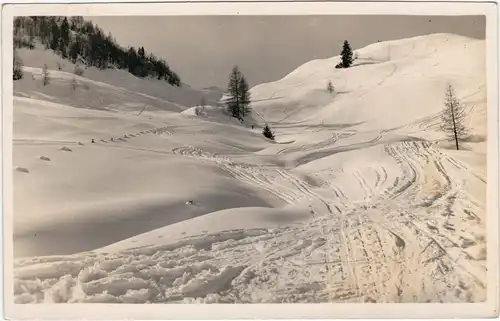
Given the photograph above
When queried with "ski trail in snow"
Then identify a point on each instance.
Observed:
(380, 250)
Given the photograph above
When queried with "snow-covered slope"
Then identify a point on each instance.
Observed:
(414, 71)
(359, 199)
(162, 94)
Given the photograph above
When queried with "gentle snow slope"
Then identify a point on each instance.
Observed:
(359, 200)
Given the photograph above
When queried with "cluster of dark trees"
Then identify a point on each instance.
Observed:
(238, 103)
(81, 41)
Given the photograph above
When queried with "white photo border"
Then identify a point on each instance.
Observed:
(252, 311)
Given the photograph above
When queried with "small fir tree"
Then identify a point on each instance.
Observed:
(267, 132)
(346, 55)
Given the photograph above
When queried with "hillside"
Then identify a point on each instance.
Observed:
(113, 82)
(414, 70)
(359, 199)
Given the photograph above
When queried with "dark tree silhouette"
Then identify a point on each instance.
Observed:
(267, 132)
(233, 102)
(238, 103)
(17, 68)
(346, 55)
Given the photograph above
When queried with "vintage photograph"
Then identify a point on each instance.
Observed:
(249, 159)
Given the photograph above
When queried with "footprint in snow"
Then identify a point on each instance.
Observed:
(66, 149)
(44, 158)
(21, 169)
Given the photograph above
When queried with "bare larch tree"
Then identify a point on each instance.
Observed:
(453, 117)
(45, 75)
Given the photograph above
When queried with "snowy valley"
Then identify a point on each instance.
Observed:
(360, 197)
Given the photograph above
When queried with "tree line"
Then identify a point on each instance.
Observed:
(81, 41)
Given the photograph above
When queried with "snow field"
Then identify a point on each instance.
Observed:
(359, 200)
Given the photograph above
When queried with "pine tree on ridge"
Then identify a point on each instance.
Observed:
(346, 55)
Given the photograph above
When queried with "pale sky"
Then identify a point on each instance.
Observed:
(204, 49)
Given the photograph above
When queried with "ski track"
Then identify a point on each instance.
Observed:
(325, 143)
(381, 249)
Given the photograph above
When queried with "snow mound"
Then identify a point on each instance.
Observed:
(216, 222)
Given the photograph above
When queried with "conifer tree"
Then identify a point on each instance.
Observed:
(174, 79)
(346, 55)
(267, 132)
(18, 67)
(238, 103)
(54, 34)
(75, 49)
(233, 103)
(64, 37)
